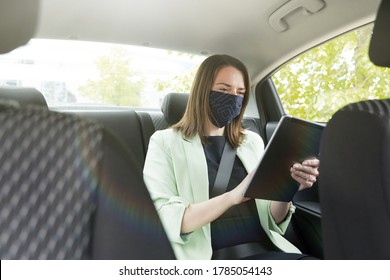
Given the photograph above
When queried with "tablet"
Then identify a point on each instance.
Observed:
(293, 140)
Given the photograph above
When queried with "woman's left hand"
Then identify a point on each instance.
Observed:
(305, 173)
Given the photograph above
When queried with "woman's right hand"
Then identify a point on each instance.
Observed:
(199, 214)
(236, 195)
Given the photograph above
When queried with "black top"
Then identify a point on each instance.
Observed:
(240, 224)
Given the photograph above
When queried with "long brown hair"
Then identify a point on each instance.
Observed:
(198, 110)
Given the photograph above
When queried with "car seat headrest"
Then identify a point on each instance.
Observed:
(174, 106)
(18, 20)
(380, 40)
(354, 182)
(23, 96)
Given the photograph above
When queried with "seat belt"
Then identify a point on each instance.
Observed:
(224, 170)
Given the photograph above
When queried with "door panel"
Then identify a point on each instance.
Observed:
(305, 228)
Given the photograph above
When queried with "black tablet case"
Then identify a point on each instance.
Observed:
(293, 141)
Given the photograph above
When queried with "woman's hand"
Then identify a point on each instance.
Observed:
(199, 214)
(236, 195)
(305, 173)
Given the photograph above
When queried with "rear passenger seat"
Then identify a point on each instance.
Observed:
(122, 123)
(172, 110)
(135, 127)
(131, 126)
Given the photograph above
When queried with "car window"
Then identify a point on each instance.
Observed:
(75, 72)
(317, 83)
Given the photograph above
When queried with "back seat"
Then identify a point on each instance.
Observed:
(135, 127)
(122, 123)
(172, 110)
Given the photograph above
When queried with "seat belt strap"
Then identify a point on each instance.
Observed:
(224, 170)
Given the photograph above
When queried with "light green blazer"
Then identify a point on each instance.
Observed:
(176, 175)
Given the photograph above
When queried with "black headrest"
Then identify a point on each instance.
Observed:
(380, 40)
(354, 184)
(174, 106)
(18, 20)
(24, 96)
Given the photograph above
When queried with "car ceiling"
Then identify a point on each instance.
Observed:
(237, 27)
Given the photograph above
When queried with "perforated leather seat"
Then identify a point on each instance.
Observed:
(70, 190)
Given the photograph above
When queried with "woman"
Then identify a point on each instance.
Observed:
(182, 162)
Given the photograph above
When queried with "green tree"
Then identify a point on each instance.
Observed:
(179, 83)
(117, 83)
(319, 82)
(182, 82)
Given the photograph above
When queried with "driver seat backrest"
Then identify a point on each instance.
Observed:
(70, 190)
(354, 182)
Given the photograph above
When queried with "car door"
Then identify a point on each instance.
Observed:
(305, 228)
(313, 86)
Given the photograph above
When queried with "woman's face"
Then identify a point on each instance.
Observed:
(229, 80)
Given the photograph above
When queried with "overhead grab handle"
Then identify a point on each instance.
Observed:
(277, 21)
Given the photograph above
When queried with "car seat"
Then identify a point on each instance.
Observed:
(69, 189)
(23, 96)
(354, 181)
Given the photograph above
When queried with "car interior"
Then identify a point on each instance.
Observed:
(354, 185)
(71, 177)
